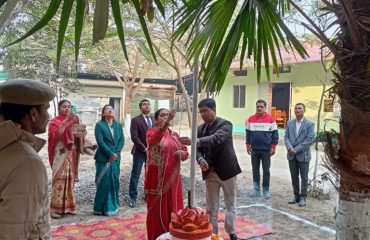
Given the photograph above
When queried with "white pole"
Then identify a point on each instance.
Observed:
(194, 127)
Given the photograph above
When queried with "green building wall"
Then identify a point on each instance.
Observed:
(306, 88)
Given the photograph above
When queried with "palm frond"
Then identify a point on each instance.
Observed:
(144, 28)
(66, 11)
(160, 7)
(80, 14)
(100, 23)
(116, 10)
(50, 13)
(257, 25)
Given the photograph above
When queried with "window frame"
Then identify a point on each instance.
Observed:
(238, 103)
(282, 69)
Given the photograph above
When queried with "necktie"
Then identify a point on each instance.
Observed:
(148, 121)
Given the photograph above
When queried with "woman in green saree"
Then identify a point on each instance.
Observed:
(110, 140)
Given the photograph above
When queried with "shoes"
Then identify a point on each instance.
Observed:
(302, 202)
(233, 236)
(132, 203)
(266, 194)
(294, 200)
(55, 215)
(255, 193)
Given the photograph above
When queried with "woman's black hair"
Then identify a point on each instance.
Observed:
(61, 102)
(102, 111)
(156, 114)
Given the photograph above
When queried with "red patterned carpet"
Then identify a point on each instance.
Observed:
(124, 228)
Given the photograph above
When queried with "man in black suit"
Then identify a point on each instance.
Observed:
(139, 125)
(217, 159)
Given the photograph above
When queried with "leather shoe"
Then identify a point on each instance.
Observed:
(55, 215)
(302, 202)
(293, 200)
(132, 203)
(233, 236)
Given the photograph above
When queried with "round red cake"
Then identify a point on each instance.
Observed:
(190, 223)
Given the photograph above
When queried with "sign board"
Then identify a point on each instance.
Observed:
(328, 105)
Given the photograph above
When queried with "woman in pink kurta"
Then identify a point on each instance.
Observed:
(162, 184)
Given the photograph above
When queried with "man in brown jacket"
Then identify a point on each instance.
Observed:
(24, 204)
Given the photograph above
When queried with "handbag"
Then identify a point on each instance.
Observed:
(79, 130)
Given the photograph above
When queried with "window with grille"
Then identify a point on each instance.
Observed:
(239, 73)
(239, 96)
(283, 69)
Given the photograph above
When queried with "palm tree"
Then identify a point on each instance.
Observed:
(254, 29)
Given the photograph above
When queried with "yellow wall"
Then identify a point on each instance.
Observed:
(306, 88)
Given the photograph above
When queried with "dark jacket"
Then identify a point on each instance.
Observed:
(138, 133)
(107, 144)
(216, 146)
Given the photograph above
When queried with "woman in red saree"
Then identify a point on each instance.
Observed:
(64, 152)
(162, 184)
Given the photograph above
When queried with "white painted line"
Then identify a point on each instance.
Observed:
(293, 217)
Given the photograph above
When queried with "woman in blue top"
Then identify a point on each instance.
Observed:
(110, 140)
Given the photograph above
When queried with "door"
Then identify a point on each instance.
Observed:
(280, 102)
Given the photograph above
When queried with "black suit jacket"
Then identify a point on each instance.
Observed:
(216, 146)
(138, 133)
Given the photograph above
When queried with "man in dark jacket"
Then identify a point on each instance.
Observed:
(217, 159)
(139, 125)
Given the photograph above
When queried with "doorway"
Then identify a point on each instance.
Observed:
(280, 102)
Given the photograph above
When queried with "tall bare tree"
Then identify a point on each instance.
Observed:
(172, 53)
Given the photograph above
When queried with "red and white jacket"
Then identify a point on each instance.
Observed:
(261, 132)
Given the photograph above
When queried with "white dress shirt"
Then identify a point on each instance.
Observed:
(148, 120)
(298, 125)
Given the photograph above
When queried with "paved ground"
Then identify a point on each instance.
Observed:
(315, 221)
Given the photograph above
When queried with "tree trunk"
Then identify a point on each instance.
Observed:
(55, 107)
(127, 108)
(352, 219)
(184, 95)
(348, 152)
(317, 155)
(122, 112)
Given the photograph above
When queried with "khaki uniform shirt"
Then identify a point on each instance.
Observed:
(24, 204)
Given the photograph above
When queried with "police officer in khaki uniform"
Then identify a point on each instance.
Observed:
(24, 204)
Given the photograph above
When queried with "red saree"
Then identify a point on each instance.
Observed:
(64, 153)
(162, 184)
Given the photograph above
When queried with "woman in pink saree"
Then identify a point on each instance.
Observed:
(64, 152)
(162, 184)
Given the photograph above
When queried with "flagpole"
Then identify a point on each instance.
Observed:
(194, 125)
